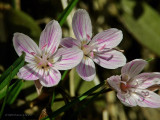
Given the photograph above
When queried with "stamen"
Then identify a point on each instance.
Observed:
(118, 50)
(49, 64)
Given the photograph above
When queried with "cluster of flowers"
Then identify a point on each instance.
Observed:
(56, 53)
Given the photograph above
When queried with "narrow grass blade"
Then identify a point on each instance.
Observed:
(67, 11)
(8, 75)
(14, 91)
(78, 99)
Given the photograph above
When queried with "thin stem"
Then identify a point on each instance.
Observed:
(102, 92)
(87, 103)
(67, 11)
(78, 99)
(54, 92)
(4, 102)
(53, 98)
(64, 74)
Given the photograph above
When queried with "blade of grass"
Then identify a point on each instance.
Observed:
(67, 11)
(54, 92)
(3, 91)
(64, 74)
(76, 100)
(4, 101)
(88, 102)
(14, 91)
(14, 68)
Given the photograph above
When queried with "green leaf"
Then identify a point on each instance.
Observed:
(4, 101)
(142, 21)
(66, 12)
(19, 21)
(3, 92)
(8, 75)
(14, 90)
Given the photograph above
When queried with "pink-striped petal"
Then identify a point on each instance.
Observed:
(69, 42)
(107, 39)
(68, 58)
(114, 82)
(86, 69)
(145, 80)
(134, 67)
(29, 72)
(110, 59)
(50, 37)
(127, 100)
(81, 25)
(50, 78)
(23, 43)
(146, 98)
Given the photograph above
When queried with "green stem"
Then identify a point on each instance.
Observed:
(54, 92)
(89, 101)
(64, 74)
(67, 11)
(78, 99)
(4, 102)
(53, 98)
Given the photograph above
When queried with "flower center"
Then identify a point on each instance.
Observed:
(86, 49)
(43, 61)
(124, 87)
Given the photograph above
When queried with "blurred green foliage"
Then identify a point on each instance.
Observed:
(19, 21)
(143, 22)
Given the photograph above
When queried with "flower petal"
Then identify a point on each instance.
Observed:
(23, 43)
(81, 24)
(50, 37)
(127, 100)
(68, 58)
(134, 67)
(69, 42)
(29, 72)
(108, 39)
(145, 80)
(114, 82)
(50, 78)
(86, 69)
(146, 98)
(110, 59)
